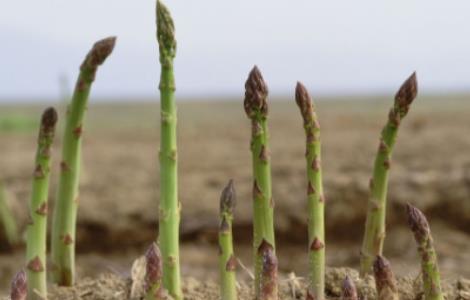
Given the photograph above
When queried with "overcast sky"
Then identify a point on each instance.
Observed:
(334, 47)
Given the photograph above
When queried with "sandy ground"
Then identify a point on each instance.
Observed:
(119, 188)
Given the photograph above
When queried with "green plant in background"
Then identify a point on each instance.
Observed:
(169, 211)
(7, 220)
(227, 259)
(65, 211)
(154, 274)
(256, 108)
(316, 199)
(348, 289)
(385, 282)
(37, 228)
(374, 234)
(19, 286)
(429, 267)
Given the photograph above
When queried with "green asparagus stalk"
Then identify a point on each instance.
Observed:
(316, 200)
(349, 291)
(65, 211)
(154, 274)
(169, 213)
(256, 108)
(268, 288)
(429, 267)
(384, 280)
(37, 228)
(227, 260)
(7, 220)
(19, 286)
(374, 234)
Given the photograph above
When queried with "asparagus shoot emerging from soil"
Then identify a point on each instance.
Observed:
(65, 211)
(384, 280)
(316, 200)
(154, 274)
(19, 286)
(37, 228)
(374, 234)
(268, 288)
(256, 108)
(227, 260)
(429, 267)
(7, 220)
(169, 211)
(349, 291)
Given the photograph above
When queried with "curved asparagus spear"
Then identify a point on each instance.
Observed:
(374, 234)
(256, 108)
(268, 287)
(429, 267)
(19, 286)
(37, 229)
(7, 220)
(349, 291)
(384, 280)
(169, 214)
(154, 274)
(65, 211)
(227, 260)
(316, 200)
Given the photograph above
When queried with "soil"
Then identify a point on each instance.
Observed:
(119, 186)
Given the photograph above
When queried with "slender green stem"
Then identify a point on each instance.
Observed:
(316, 199)
(374, 234)
(169, 211)
(256, 108)
(65, 211)
(19, 286)
(7, 220)
(37, 228)
(429, 266)
(154, 274)
(384, 280)
(227, 260)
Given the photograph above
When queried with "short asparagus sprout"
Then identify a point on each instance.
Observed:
(374, 234)
(268, 287)
(65, 211)
(314, 191)
(348, 289)
(37, 228)
(19, 286)
(429, 266)
(227, 259)
(7, 220)
(384, 279)
(154, 274)
(169, 210)
(256, 108)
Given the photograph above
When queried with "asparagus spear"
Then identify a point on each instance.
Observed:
(316, 200)
(19, 286)
(384, 279)
(374, 234)
(153, 276)
(429, 267)
(227, 260)
(256, 109)
(65, 211)
(169, 204)
(349, 291)
(7, 220)
(37, 229)
(268, 288)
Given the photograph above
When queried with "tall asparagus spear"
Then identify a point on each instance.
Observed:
(65, 211)
(153, 276)
(384, 280)
(169, 204)
(268, 288)
(7, 220)
(348, 290)
(37, 229)
(19, 286)
(256, 108)
(374, 234)
(316, 200)
(227, 260)
(429, 267)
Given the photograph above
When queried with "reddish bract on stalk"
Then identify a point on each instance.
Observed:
(19, 287)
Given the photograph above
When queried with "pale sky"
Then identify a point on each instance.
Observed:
(334, 47)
